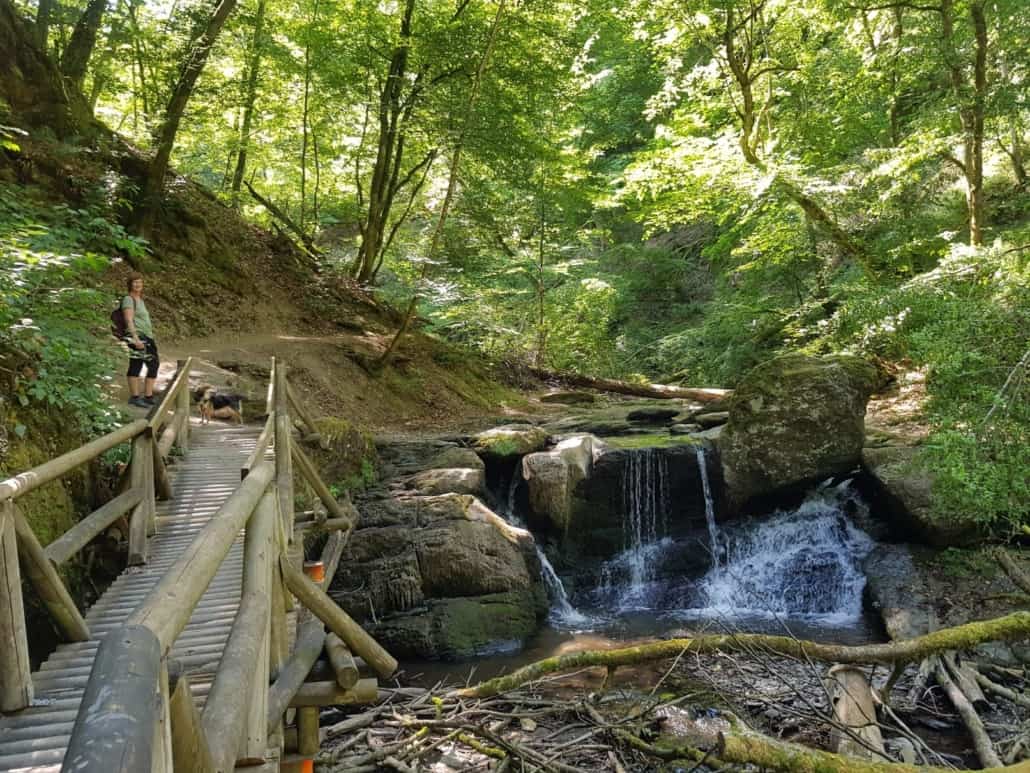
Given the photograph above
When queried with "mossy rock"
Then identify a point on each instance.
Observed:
(509, 441)
(793, 420)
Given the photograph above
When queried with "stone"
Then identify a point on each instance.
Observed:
(509, 441)
(456, 457)
(898, 591)
(552, 476)
(449, 481)
(713, 419)
(441, 576)
(652, 415)
(683, 429)
(712, 434)
(568, 398)
(795, 420)
(906, 486)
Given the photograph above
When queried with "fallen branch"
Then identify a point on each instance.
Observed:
(305, 240)
(659, 391)
(1013, 626)
(975, 726)
(1019, 578)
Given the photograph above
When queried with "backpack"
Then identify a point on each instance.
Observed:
(118, 327)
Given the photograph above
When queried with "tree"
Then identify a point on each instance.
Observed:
(190, 72)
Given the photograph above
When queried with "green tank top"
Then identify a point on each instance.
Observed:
(141, 318)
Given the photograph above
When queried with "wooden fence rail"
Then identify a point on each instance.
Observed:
(17, 539)
(138, 712)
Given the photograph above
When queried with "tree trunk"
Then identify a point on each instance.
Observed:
(194, 65)
(43, 11)
(1009, 628)
(84, 38)
(658, 391)
(101, 71)
(250, 97)
(312, 24)
(739, 59)
(452, 184)
(970, 108)
(389, 153)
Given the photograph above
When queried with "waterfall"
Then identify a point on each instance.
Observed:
(562, 611)
(799, 563)
(713, 530)
(626, 580)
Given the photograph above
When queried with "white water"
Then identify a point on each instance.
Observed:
(713, 530)
(645, 519)
(562, 612)
(804, 563)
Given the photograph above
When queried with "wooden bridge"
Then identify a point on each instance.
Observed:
(198, 657)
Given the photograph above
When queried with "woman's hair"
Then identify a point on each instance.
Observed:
(132, 278)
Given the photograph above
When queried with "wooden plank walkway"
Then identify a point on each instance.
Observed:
(36, 739)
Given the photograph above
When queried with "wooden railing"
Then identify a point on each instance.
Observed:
(145, 480)
(138, 712)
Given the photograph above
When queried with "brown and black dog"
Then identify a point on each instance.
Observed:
(218, 405)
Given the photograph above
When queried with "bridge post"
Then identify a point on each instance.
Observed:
(283, 457)
(15, 669)
(141, 477)
(182, 411)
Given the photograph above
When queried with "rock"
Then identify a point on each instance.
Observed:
(712, 434)
(568, 398)
(510, 440)
(793, 420)
(602, 425)
(684, 429)
(907, 488)
(456, 457)
(552, 476)
(655, 415)
(441, 576)
(896, 586)
(712, 419)
(449, 481)
(459, 628)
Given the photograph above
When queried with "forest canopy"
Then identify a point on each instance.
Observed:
(669, 190)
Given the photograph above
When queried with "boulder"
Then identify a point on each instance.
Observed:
(509, 441)
(794, 420)
(713, 419)
(906, 486)
(568, 398)
(898, 592)
(455, 458)
(449, 481)
(683, 429)
(443, 576)
(552, 476)
(652, 415)
(460, 628)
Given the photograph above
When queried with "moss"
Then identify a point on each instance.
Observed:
(464, 627)
(653, 441)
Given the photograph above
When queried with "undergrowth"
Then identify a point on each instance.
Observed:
(52, 314)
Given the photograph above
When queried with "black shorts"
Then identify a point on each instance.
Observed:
(145, 356)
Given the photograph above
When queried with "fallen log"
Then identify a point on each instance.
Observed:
(660, 391)
(1009, 627)
(740, 745)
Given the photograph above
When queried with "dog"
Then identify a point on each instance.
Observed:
(216, 405)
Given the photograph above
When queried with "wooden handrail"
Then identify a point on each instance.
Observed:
(181, 381)
(23, 483)
(261, 447)
(169, 605)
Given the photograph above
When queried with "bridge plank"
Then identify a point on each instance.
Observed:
(201, 482)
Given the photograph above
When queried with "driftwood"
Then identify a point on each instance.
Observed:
(1013, 626)
(660, 391)
(855, 709)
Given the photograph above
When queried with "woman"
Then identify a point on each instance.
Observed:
(142, 347)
